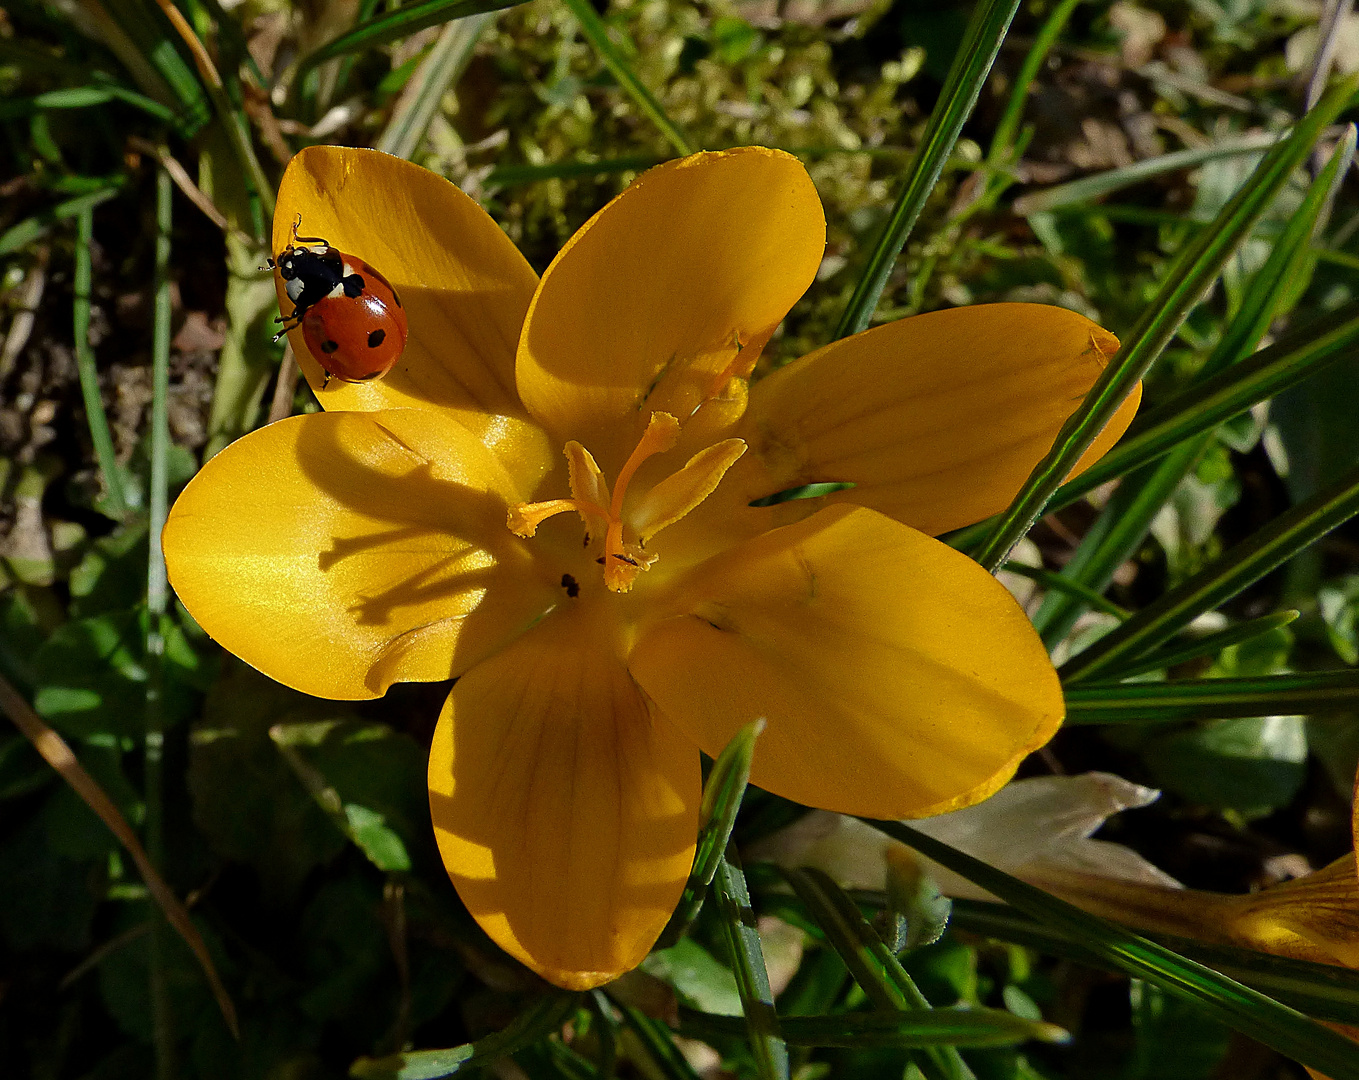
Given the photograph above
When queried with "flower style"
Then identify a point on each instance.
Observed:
(549, 498)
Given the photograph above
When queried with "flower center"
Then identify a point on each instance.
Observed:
(627, 524)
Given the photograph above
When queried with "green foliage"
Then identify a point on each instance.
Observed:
(1163, 181)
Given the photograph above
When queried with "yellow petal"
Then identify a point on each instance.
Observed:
(648, 305)
(898, 678)
(342, 552)
(565, 811)
(937, 419)
(464, 285)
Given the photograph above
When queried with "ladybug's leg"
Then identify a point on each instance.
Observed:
(326, 381)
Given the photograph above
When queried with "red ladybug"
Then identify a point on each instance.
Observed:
(351, 317)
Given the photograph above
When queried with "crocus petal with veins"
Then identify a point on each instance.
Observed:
(907, 672)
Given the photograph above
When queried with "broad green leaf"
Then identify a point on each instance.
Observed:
(981, 42)
(1192, 272)
(533, 1023)
(1220, 580)
(914, 1027)
(1262, 1018)
(598, 32)
(752, 980)
(697, 976)
(401, 23)
(1252, 765)
(1211, 699)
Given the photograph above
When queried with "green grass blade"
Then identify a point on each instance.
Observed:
(23, 233)
(402, 22)
(1088, 188)
(981, 42)
(1114, 538)
(660, 1047)
(84, 97)
(597, 31)
(1212, 699)
(874, 967)
(1193, 271)
(96, 418)
(1220, 580)
(1124, 523)
(439, 70)
(1202, 407)
(157, 595)
(1208, 645)
(1007, 129)
(722, 796)
(761, 1023)
(1322, 991)
(913, 1028)
(1262, 1018)
(533, 1023)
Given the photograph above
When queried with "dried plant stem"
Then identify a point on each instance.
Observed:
(58, 754)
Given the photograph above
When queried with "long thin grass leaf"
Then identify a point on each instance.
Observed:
(1208, 644)
(1007, 128)
(95, 415)
(911, 1028)
(1212, 699)
(23, 233)
(597, 31)
(1322, 991)
(1262, 1018)
(540, 1019)
(1124, 522)
(1191, 274)
(752, 980)
(1089, 188)
(1220, 580)
(84, 97)
(439, 70)
(721, 803)
(656, 1040)
(157, 594)
(1296, 356)
(58, 754)
(401, 23)
(981, 42)
(874, 967)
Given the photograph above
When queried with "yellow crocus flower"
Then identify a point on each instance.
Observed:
(549, 499)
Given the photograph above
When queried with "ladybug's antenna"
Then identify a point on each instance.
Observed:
(305, 239)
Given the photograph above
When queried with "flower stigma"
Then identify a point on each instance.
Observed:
(625, 535)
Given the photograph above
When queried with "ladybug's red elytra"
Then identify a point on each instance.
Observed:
(351, 318)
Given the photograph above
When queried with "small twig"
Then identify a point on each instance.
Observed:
(261, 111)
(187, 187)
(58, 754)
(285, 388)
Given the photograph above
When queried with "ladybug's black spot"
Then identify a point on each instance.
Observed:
(571, 586)
(329, 347)
(376, 338)
(353, 285)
